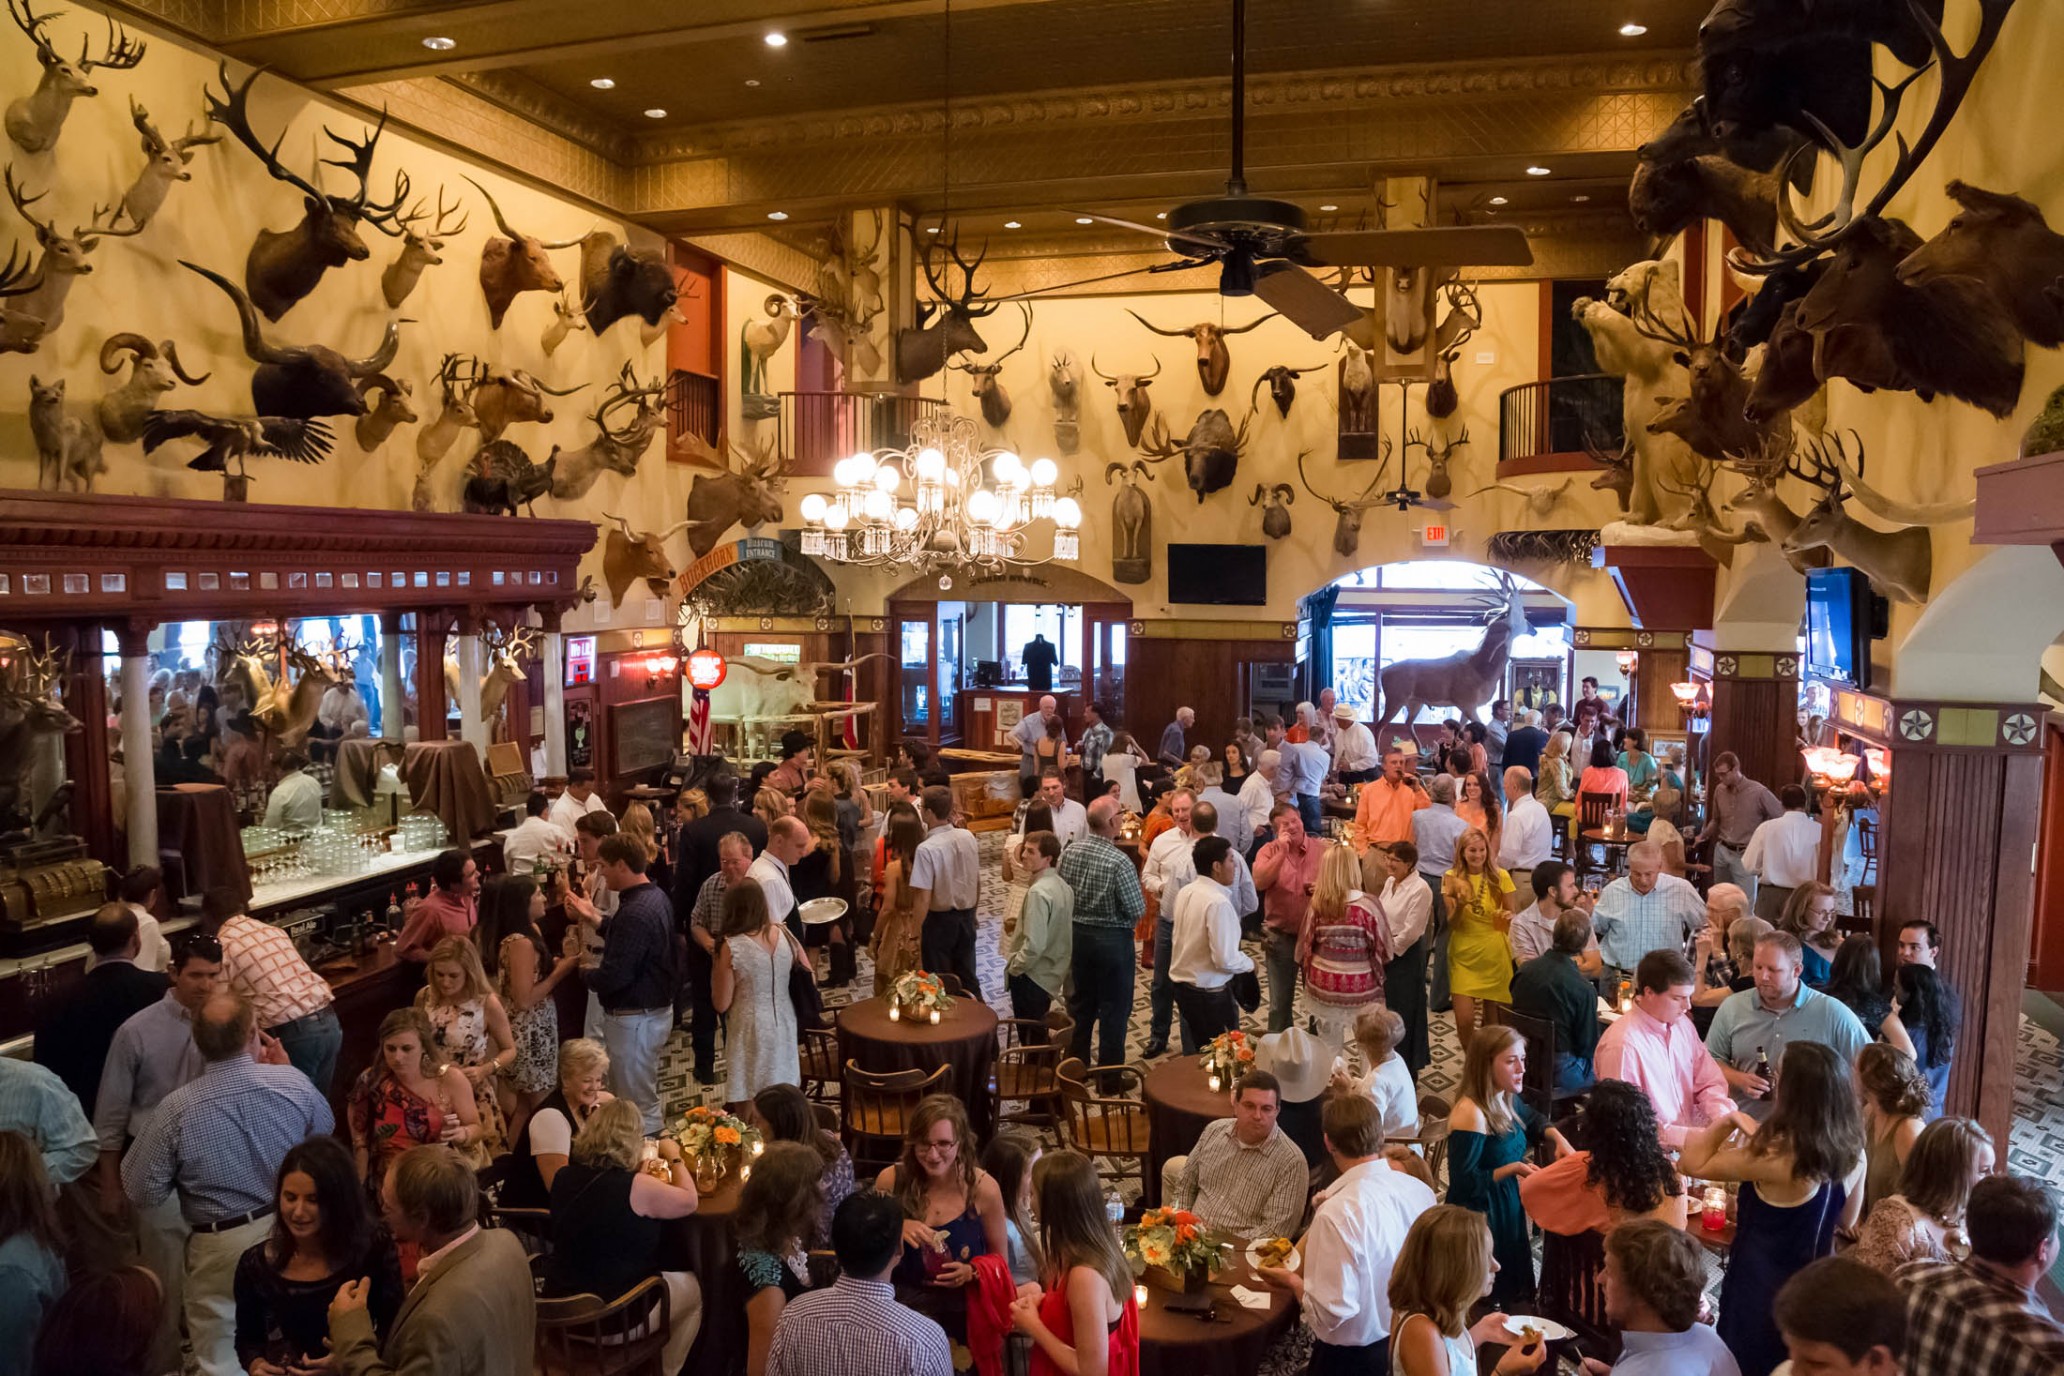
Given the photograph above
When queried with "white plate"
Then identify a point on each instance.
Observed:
(1289, 1263)
(819, 912)
(1551, 1331)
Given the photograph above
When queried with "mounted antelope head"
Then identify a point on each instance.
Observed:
(1214, 360)
(1348, 513)
(621, 443)
(394, 408)
(744, 491)
(566, 318)
(156, 370)
(995, 402)
(1135, 407)
(1281, 382)
(168, 162)
(1902, 561)
(419, 248)
(1064, 380)
(515, 263)
(629, 555)
(35, 120)
(40, 298)
(1275, 516)
(948, 321)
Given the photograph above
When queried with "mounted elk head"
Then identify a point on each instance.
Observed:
(291, 710)
(304, 382)
(947, 323)
(2004, 242)
(1064, 380)
(168, 161)
(1766, 515)
(156, 370)
(457, 376)
(1457, 327)
(419, 248)
(1210, 452)
(501, 400)
(1275, 515)
(746, 491)
(1135, 407)
(1439, 484)
(34, 121)
(40, 296)
(1214, 360)
(1902, 562)
(616, 282)
(994, 400)
(1712, 417)
(628, 555)
(623, 439)
(1618, 475)
(1132, 523)
(1281, 381)
(395, 407)
(1348, 513)
(515, 263)
(282, 268)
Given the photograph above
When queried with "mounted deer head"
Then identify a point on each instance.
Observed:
(1618, 477)
(515, 263)
(622, 441)
(156, 371)
(1132, 523)
(506, 651)
(995, 402)
(1900, 561)
(628, 555)
(948, 321)
(1275, 516)
(501, 400)
(1457, 327)
(40, 295)
(2004, 242)
(457, 376)
(1438, 482)
(1281, 381)
(1135, 407)
(745, 491)
(419, 248)
(1348, 513)
(35, 120)
(168, 162)
(566, 318)
(1214, 360)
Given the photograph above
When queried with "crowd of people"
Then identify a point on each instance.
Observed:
(175, 1168)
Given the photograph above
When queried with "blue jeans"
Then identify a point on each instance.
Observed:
(1314, 818)
(1572, 1072)
(1104, 961)
(1279, 954)
(634, 1039)
(312, 1044)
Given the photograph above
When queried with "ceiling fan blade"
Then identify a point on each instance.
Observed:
(1442, 246)
(1304, 300)
(1037, 292)
(1173, 236)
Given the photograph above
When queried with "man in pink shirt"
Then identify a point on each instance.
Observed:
(1284, 871)
(450, 910)
(1655, 1049)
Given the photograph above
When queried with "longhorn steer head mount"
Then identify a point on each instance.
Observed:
(1214, 360)
(1135, 407)
(516, 262)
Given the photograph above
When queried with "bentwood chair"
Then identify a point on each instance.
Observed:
(581, 1335)
(1538, 1085)
(819, 1056)
(532, 1227)
(1025, 1072)
(1110, 1125)
(1867, 847)
(877, 1110)
(1595, 810)
(1433, 1133)
(1572, 1289)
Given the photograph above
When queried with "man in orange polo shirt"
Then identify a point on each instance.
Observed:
(1384, 814)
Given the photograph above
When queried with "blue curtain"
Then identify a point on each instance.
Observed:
(1318, 666)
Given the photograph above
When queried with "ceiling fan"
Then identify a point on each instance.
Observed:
(1264, 249)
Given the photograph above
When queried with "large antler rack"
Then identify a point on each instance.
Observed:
(1370, 496)
(625, 390)
(970, 300)
(232, 110)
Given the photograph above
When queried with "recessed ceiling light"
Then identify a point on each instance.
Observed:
(1537, 171)
(1012, 224)
(1084, 220)
(777, 39)
(777, 214)
(1329, 209)
(1498, 200)
(1580, 200)
(1161, 215)
(603, 83)
(752, 81)
(931, 229)
(655, 113)
(440, 45)
(1630, 29)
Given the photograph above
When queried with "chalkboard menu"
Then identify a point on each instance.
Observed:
(644, 734)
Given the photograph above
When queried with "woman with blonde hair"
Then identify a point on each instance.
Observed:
(1444, 1268)
(409, 1098)
(1553, 787)
(952, 1212)
(637, 823)
(855, 808)
(1809, 914)
(1663, 834)
(1342, 947)
(1925, 1220)
(1491, 1132)
(1480, 902)
(1081, 1316)
(770, 805)
(470, 1028)
(547, 1142)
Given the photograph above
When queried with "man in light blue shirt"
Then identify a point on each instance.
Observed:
(1305, 764)
(1654, 1277)
(1646, 911)
(42, 1108)
(1757, 1024)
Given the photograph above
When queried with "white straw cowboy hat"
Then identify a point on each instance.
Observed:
(1298, 1061)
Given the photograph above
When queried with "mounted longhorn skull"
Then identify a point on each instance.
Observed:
(1211, 451)
(994, 400)
(1281, 381)
(515, 263)
(628, 556)
(1214, 360)
(305, 382)
(168, 160)
(616, 282)
(748, 494)
(1132, 523)
(1064, 380)
(1347, 514)
(948, 326)
(419, 248)
(156, 371)
(35, 120)
(1135, 407)
(1275, 516)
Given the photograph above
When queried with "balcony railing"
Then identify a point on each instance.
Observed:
(820, 428)
(695, 406)
(1551, 420)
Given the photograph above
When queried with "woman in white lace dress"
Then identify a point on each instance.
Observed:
(749, 986)
(471, 1028)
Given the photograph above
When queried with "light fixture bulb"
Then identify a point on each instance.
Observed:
(655, 113)
(777, 39)
(603, 83)
(1012, 224)
(1499, 200)
(814, 507)
(440, 44)
(888, 479)
(930, 464)
(878, 505)
(1045, 472)
(1537, 171)
(906, 518)
(1328, 209)
(1068, 513)
(1633, 29)
(864, 465)
(1084, 220)
(842, 472)
(982, 506)
(1008, 468)
(777, 214)
(837, 518)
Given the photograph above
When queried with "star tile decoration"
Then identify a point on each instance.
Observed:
(2018, 729)
(1787, 666)
(1916, 724)
(1726, 666)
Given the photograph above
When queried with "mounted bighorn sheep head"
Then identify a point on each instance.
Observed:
(394, 408)
(620, 443)
(1275, 516)
(282, 268)
(1214, 360)
(156, 371)
(628, 556)
(40, 295)
(1281, 381)
(419, 248)
(746, 491)
(995, 402)
(948, 321)
(1132, 523)
(1347, 522)
(303, 382)
(168, 160)
(616, 282)
(1211, 451)
(1438, 483)
(515, 263)
(35, 120)
(1064, 380)
(1135, 407)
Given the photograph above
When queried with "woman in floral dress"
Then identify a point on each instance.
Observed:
(525, 974)
(470, 1027)
(409, 1098)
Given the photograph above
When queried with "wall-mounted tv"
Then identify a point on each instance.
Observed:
(1839, 615)
(1218, 575)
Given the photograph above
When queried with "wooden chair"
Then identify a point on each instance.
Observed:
(1594, 810)
(532, 1227)
(1433, 1132)
(1108, 1125)
(826, 1117)
(1867, 847)
(877, 1109)
(952, 985)
(580, 1335)
(1863, 902)
(1572, 1289)
(1538, 1087)
(1025, 1071)
(819, 1055)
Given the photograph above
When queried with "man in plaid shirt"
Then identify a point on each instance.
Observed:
(1096, 740)
(1980, 1316)
(1108, 903)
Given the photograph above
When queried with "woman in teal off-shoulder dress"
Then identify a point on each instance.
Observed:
(1490, 1133)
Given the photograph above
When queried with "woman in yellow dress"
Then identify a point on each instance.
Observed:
(1480, 907)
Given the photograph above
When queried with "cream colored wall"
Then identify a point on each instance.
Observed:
(745, 300)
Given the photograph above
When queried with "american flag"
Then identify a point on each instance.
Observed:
(699, 723)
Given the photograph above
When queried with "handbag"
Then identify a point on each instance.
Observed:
(1246, 987)
(802, 988)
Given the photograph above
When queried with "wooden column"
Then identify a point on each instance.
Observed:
(1756, 714)
(431, 627)
(88, 762)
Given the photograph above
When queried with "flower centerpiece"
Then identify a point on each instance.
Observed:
(715, 1142)
(918, 996)
(1229, 1056)
(1172, 1247)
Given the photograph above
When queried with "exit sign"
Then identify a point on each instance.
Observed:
(1432, 534)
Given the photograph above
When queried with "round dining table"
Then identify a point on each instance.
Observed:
(1180, 1103)
(1231, 1342)
(963, 1040)
(706, 1243)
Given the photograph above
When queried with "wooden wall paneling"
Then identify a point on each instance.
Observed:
(1206, 675)
(88, 753)
(1657, 669)
(430, 703)
(1757, 719)
(2046, 943)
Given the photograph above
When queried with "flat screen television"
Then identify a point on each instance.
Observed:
(1218, 575)
(1839, 613)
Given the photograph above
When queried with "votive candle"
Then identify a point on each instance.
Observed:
(1713, 1214)
(895, 1013)
(935, 1017)
(1139, 1296)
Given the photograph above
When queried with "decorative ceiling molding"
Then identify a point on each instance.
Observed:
(760, 254)
(546, 108)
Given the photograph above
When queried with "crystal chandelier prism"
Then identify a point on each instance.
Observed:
(943, 501)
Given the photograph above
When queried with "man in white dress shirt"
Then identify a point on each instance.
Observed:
(788, 841)
(947, 878)
(1259, 796)
(1358, 1228)
(1406, 901)
(1167, 868)
(1207, 950)
(1783, 853)
(579, 799)
(1555, 890)
(1354, 748)
(1026, 735)
(1528, 836)
(535, 835)
(1070, 818)
(140, 892)
(295, 803)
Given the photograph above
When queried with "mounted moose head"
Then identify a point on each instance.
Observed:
(419, 248)
(2004, 242)
(394, 408)
(515, 263)
(995, 402)
(1281, 381)
(282, 268)
(1685, 175)
(307, 381)
(1457, 327)
(1214, 360)
(1132, 523)
(168, 160)
(1064, 380)
(618, 446)
(1135, 407)
(615, 282)
(1902, 562)
(1275, 516)
(745, 492)
(1438, 456)
(1347, 514)
(35, 120)
(40, 296)
(628, 556)
(156, 371)
(501, 400)
(1210, 452)
(948, 326)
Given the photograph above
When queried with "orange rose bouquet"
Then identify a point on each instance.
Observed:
(1228, 1056)
(715, 1141)
(1174, 1241)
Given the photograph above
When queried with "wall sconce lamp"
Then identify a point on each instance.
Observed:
(1628, 660)
(658, 666)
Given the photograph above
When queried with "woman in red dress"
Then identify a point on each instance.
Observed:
(1082, 1318)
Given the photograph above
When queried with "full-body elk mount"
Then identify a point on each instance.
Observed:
(629, 555)
(1064, 380)
(1275, 503)
(516, 263)
(621, 440)
(395, 407)
(1281, 381)
(154, 370)
(284, 267)
(34, 121)
(1214, 360)
(1465, 680)
(616, 282)
(168, 160)
(1902, 562)
(1135, 407)
(39, 296)
(1348, 512)
(420, 247)
(1210, 452)
(1132, 523)
(995, 402)
(33, 722)
(744, 491)
(947, 323)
